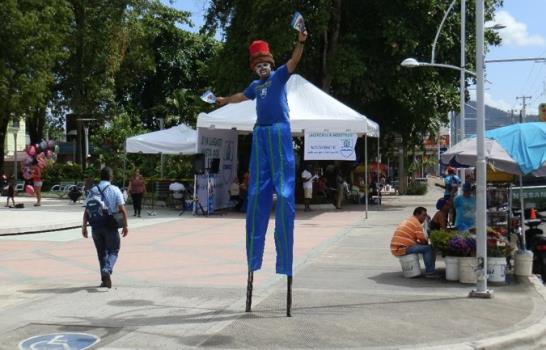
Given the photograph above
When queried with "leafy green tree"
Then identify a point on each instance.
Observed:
(97, 45)
(31, 38)
(108, 141)
(164, 68)
(354, 52)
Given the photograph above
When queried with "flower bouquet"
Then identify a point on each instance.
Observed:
(498, 248)
(461, 245)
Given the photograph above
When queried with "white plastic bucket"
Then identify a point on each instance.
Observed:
(467, 270)
(496, 269)
(523, 263)
(410, 265)
(452, 268)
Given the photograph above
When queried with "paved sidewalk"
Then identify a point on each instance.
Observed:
(180, 283)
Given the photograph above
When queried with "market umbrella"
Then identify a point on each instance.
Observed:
(517, 149)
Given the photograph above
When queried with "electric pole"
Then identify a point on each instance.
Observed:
(522, 114)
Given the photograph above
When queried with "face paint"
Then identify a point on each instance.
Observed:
(262, 69)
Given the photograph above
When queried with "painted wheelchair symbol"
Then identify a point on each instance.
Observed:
(60, 341)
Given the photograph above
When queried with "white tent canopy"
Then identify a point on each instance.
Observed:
(310, 108)
(179, 139)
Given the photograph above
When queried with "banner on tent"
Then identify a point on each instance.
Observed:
(329, 145)
(212, 189)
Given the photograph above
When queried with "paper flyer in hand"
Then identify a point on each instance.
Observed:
(298, 23)
(208, 97)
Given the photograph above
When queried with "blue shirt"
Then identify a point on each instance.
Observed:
(112, 195)
(270, 95)
(451, 182)
(465, 212)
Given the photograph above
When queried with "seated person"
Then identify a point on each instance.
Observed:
(74, 194)
(440, 219)
(177, 189)
(465, 209)
(409, 238)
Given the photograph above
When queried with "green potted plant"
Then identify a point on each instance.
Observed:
(439, 240)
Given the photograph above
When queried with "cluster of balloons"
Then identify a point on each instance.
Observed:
(38, 155)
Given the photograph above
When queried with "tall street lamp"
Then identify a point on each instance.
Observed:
(481, 290)
(15, 131)
(85, 125)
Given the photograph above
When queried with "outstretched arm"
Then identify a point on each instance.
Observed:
(236, 98)
(297, 53)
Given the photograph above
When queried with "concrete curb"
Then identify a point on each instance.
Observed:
(533, 337)
(14, 231)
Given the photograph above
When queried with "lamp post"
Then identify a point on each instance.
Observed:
(85, 125)
(15, 131)
(481, 290)
(74, 134)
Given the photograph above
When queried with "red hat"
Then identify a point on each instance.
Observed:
(450, 170)
(259, 53)
(258, 47)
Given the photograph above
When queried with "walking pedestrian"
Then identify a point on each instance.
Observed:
(11, 192)
(37, 182)
(137, 188)
(106, 236)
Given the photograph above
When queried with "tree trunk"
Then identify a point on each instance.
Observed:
(402, 180)
(3, 134)
(35, 125)
(331, 38)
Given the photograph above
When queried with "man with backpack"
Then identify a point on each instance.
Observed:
(105, 212)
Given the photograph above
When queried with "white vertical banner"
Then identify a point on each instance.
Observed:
(212, 190)
(329, 145)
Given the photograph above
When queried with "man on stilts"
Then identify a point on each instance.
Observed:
(272, 165)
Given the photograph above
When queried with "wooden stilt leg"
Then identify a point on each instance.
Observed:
(249, 291)
(289, 296)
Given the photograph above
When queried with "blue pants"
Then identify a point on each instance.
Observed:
(271, 167)
(107, 243)
(429, 257)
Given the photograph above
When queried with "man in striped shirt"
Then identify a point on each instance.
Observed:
(409, 238)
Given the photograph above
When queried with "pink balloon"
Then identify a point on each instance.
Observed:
(29, 190)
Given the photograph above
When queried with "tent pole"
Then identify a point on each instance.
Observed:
(522, 217)
(366, 172)
(161, 166)
(378, 162)
(124, 163)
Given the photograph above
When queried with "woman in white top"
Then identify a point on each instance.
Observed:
(307, 178)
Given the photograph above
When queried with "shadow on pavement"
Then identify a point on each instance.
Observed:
(396, 279)
(64, 290)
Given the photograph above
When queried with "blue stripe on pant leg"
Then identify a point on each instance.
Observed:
(260, 191)
(284, 180)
